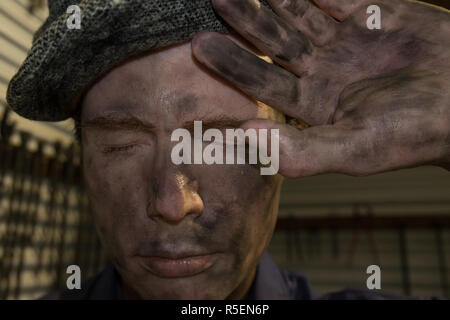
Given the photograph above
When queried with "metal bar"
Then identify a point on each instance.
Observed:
(27, 224)
(404, 261)
(338, 204)
(11, 227)
(441, 260)
(91, 254)
(68, 174)
(78, 256)
(5, 133)
(334, 238)
(422, 221)
(21, 224)
(53, 170)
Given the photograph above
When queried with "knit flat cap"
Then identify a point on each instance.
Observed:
(63, 61)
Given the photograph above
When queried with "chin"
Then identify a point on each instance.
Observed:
(215, 283)
(180, 289)
(204, 286)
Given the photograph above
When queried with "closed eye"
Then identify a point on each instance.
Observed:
(117, 149)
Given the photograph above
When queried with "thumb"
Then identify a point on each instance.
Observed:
(312, 151)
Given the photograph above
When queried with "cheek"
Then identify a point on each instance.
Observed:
(108, 182)
(258, 198)
(116, 197)
(241, 185)
(249, 205)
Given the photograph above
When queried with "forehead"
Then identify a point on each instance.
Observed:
(168, 85)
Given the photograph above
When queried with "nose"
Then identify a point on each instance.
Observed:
(175, 196)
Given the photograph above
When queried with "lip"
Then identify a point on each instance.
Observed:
(175, 267)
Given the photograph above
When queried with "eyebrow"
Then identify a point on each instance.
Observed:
(132, 123)
(218, 123)
(115, 122)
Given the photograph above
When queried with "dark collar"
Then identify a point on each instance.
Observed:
(269, 283)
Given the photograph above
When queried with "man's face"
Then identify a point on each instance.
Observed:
(176, 232)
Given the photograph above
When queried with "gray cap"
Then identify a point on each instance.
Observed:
(62, 61)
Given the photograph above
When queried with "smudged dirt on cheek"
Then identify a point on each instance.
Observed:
(113, 211)
(240, 211)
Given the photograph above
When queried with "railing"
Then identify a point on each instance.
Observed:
(363, 228)
(45, 224)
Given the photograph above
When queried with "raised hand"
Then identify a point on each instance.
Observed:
(376, 100)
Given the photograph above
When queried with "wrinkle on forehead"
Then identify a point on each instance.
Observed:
(169, 83)
(178, 103)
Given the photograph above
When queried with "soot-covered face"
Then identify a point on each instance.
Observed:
(185, 231)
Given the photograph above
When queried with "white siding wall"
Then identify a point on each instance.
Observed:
(17, 26)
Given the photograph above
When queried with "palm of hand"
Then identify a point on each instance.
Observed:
(377, 99)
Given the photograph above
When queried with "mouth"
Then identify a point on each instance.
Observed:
(176, 266)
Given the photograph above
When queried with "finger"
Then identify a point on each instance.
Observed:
(306, 17)
(317, 150)
(266, 31)
(260, 80)
(340, 9)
